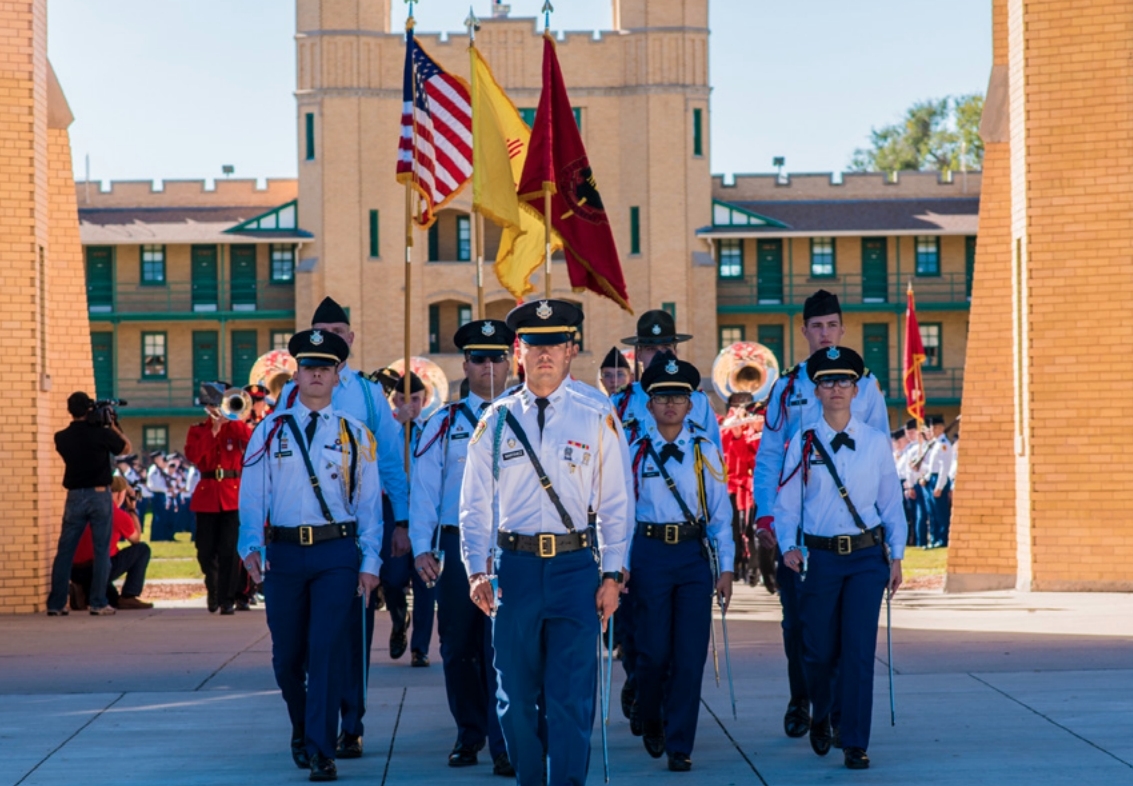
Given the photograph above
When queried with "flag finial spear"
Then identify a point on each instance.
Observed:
(547, 9)
(409, 20)
(473, 24)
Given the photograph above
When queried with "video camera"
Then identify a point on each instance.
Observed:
(104, 412)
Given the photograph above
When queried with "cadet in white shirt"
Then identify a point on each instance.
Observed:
(310, 473)
(434, 529)
(840, 525)
(552, 600)
(684, 523)
(938, 483)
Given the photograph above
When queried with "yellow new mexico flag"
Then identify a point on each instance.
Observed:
(499, 149)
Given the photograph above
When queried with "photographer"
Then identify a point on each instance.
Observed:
(130, 562)
(88, 447)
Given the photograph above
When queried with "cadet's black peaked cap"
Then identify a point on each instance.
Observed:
(329, 313)
(667, 375)
(614, 359)
(821, 304)
(318, 348)
(545, 322)
(656, 327)
(835, 361)
(484, 335)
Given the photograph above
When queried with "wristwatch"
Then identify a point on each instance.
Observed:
(401, 524)
(615, 575)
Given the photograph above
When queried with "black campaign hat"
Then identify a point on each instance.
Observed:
(656, 327)
(835, 361)
(484, 335)
(820, 304)
(545, 322)
(318, 348)
(393, 382)
(667, 375)
(614, 359)
(329, 313)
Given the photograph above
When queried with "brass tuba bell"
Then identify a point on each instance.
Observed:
(273, 370)
(745, 367)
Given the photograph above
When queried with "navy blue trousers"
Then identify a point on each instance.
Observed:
(466, 650)
(546, 635)
(672, 586)
(925, 515)
(942, 511)
(353, 704)
(397, 573)
(162, 524)
(624, 636)
(309, 592)
(841, 599)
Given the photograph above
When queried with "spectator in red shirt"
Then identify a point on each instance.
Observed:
(130, 562)
(216, 446)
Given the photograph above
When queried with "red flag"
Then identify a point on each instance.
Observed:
(914, 359)
(556, 160)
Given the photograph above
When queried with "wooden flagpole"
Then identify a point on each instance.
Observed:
(409, 202)
(547, 9)
(477, 222)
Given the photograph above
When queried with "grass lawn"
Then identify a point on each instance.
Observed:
(175, 559)
(924, 562)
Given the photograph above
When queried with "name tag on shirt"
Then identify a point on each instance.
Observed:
(650, 473)
(459, 435)
(798, 402)
(513, 454)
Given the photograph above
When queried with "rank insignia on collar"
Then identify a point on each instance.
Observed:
(671, 367)
(833, 353)
(316, 337)
(656, 330)
(544, 310)
(488, 329)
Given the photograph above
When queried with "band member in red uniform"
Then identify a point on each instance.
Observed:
(216, 447)
(740, 432)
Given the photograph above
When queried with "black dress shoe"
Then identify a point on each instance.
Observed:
(635, 725)
(298, 750)
(501, 765)
(653, 735)
(227, 610)
(797, 720)
(420, 660)
(629, 695)
(679, 762)
(462, 756)
(349, 746)
(243, 605)
(820, 736)
(398, 643)
(856, 759)
(836, 738)
(213, 603)
(323, 769)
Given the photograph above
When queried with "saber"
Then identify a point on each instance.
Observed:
(715, 655)
(365, 664)
(889, 649)
(602, 698)
(609, 668)
(727, 655)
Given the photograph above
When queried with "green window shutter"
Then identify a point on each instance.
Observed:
(435, 241)
(697, 132)
(635, 230)
(434, 329)
(875, 351)
(374, 236)
(771, 336)
(310, 135)
(670, 309)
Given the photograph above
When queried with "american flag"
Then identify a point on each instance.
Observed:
(436, 156)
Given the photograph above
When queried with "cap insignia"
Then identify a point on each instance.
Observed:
(544, 310)
(316, 338)
(671, 367)
(656, 330)
(488, 329)
(833, 353)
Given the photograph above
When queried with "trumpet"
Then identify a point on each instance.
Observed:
(236, 404)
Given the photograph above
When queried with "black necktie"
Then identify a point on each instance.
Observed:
(669, 450)
(840, 439)
(312, 424)
(483, 406)
(542, 403)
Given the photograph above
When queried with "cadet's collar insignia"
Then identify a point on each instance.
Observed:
(316, 337)
(657, 332)
(544, 310)
(833, 353)
(488, 329)
(671, 367)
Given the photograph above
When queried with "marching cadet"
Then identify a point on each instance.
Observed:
(614, 373)
(683, 553)
(793, 403)
(434, 529)
(840, 526)
(538, 461)
(310, 471)
(657, 332)
(938, 486)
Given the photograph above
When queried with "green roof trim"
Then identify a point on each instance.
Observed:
(284, 218)
(725, 214)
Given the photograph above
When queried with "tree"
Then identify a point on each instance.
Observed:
(938, 134)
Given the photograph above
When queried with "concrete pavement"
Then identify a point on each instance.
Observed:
(998, 688)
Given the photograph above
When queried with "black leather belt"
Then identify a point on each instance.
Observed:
(845, 544)
(670, 533)
(450, 528)
(309, 536)
(545, 544)
(221, 474)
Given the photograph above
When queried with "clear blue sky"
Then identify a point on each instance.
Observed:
(165, 89)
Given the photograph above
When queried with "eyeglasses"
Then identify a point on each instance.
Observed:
(830, 384)
(678, 399)
(479, 360)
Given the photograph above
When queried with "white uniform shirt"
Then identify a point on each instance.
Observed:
(349, 397)
(870, 477)
(657, 505)
(155, 480)
(955, 462)
(638, 420)
(939, 461)
(275, 486)
(802, 406)
(579, 451)
(435, 496)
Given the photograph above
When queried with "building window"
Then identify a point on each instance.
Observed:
(375, 250)
(528, 115)
(771, 336)
(928, 255)
(282, 263)
(730, 334)
(154, 365)
(435, 241)
(822, 257)
(731, 258)
(279, 339)
(310, 135)
(698, 132)
(635, 230)
(463, 316)
(931, 333)
(155, 438)
(463, 238)
(153, 265)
